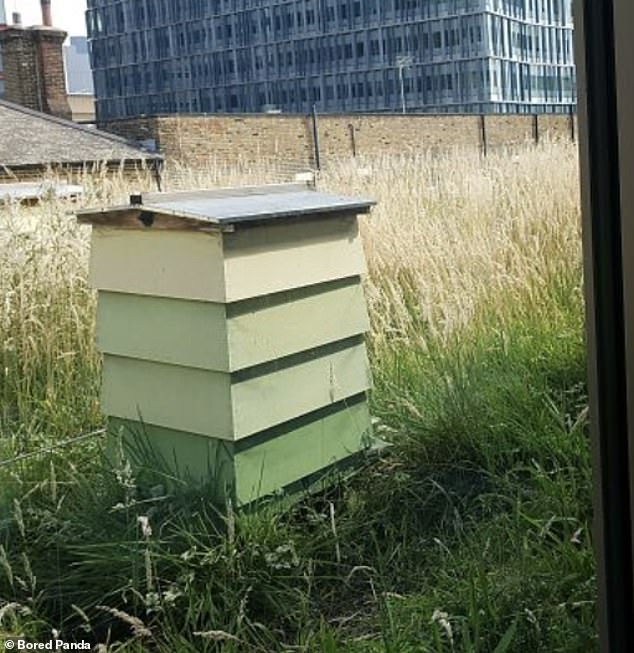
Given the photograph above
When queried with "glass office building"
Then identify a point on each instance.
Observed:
(208, 56)
(77, 65)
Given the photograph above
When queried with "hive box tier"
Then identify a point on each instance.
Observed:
(291, 456)
(234, 405)
(216, 265)
(230, 337)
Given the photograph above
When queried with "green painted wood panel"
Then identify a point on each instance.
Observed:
(229, 337)
(286, 392)
(295, 455)
(182, 398)
(232, 407)
(275, 326)
(183, 264)
(181, 332)
(187, 457)
(262, 465)
(271, 258)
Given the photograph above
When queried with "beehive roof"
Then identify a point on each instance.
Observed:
(238, 205)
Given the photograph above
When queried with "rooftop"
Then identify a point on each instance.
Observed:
(31, 138)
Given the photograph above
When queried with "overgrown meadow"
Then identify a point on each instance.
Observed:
(470, 533)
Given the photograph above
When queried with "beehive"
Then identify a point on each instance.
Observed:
(232, 326)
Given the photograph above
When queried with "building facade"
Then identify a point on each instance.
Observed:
(213, 56)
(77, 65)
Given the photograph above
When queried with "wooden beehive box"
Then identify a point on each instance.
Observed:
(232, 326)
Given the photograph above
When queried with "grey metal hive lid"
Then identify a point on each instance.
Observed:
(241, 205)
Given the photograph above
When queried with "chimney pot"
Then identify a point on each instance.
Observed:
(47, 18)
(17, 18)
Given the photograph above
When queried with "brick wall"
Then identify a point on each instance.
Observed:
(394, 134)
(508, 130)
(234, 139)
(197, 140)
(50, 43)
(34, 69)
(555, 128)
(21, 70)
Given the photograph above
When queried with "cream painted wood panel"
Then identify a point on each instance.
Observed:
(226, 267)
(268, 259)
(183, 264)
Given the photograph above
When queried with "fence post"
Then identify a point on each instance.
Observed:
(571, 118)
(157, 169)
(353, 139)
(316, 138)
(536, 129)
(483, 134)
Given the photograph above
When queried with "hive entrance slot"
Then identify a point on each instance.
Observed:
(146, 218)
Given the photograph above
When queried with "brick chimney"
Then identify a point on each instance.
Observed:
(34, 66)
(47, 17)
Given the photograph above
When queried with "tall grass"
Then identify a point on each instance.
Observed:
(457, 235)
(469, 534)
(48, 366)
